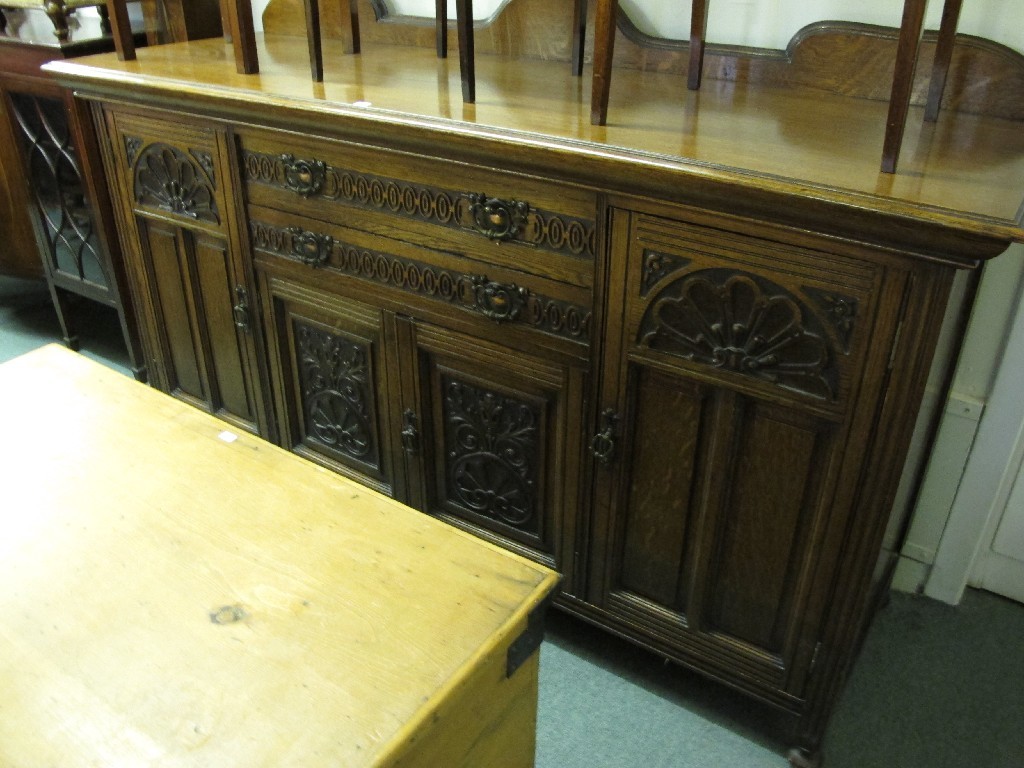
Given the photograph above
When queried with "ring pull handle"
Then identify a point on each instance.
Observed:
(311, 248)
(603, 444)
(303, 177)
(501, 302)
(241, 309)
(497, 219)
(410, 432)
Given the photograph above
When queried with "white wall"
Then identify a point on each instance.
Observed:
(771, 23)
(930, 531)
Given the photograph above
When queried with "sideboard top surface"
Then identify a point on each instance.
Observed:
(793, 155)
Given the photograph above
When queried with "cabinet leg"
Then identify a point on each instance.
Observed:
(802, 758)
(62, 305)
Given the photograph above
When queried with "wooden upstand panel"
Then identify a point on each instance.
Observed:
(176, 596)
(677, 358)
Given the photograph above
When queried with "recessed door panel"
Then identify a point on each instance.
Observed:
(779, 460)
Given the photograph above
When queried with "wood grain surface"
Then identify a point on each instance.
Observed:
(173, 597)
(787, 154)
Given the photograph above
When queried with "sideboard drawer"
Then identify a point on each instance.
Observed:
(410, 276)
(514, 221)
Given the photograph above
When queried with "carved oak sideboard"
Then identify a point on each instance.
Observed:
(678, 358)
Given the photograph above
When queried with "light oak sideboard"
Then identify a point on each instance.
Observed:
(678, 357)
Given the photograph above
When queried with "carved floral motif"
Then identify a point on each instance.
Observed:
(205, 159)
(492, 444)
(656, 266)
(742, 323)
(840, 311)
(168, 179)
(334, 377)
(132, 146)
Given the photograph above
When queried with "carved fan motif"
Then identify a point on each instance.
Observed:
(492, 445)
(168, 179)
(742, 323)
(334, 377)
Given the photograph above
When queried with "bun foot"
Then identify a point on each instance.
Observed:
(802, 758)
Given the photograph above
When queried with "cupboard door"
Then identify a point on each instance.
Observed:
(499, 444)
(726, 408)
(174, 188)
(205, 328)
(713, 529)
(329, 365)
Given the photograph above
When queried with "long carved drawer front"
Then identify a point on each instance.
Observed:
(416, 274)
(519, 222)
(173, 170)
(752, 313)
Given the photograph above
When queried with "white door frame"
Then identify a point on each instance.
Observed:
(989, 474)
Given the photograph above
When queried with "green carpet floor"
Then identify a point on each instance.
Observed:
(934, 686)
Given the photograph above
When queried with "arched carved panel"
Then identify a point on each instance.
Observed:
(746, 324)
(492, 452)
(334, 376)
(170, 180)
